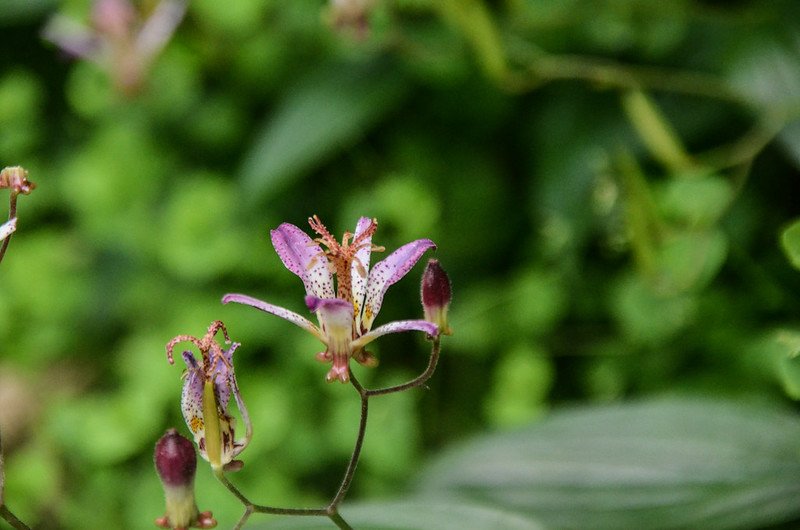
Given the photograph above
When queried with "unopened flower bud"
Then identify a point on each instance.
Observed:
(436, 295)
(15, 178)
(176, 463)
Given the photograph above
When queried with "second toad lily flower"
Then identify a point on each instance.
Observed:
(345, 316)
(207, 391)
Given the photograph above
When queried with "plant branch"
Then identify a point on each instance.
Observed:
(331, 510)
(12, 519)
(12, 212)
(417, 381)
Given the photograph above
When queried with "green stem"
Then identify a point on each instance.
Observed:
(417, 381)
(362, 431)
(11, 519)
(338, 521)
(12, 212)
(331, 510)
(546, 68)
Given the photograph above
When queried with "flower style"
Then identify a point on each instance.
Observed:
(206, 394)
(346, 316)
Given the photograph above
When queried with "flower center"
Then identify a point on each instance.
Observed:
(341, 256)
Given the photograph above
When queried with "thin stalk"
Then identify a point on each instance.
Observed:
(362, 431)
(12, 212)
(252, 507)
(417, 381)
(338, 521)
(6, 514)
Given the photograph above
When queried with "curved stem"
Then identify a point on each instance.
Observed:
(417, 381)
(362, 431)
(331, 510)
(252, 507)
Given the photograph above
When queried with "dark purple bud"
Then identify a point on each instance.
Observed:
(436, 295)
(175, 459)
(176, 463)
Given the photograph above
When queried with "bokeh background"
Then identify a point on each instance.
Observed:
(611, 185)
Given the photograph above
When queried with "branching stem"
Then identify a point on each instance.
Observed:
(331, 510)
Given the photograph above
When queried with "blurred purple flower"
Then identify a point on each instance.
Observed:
(120, 39)
(345, 317)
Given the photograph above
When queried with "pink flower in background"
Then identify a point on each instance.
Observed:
(121, 39)
(345, 316)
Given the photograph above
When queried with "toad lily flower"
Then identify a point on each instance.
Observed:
(345, 317)
(206, 394)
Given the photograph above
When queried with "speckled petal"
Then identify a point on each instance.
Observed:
(301, 255)
(387, 272)
(359, 281)
(7, 228)
(285, 314)
(396, 327)
(223, 373)
(192, 401)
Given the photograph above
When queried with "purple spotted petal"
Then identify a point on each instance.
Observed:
(192, 397)
(285, 314)
(387, 272)
(359, 271)
(223, 375)
(305, 258)
(396, 327)
(7, 228)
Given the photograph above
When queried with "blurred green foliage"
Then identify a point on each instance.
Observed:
(611, 185)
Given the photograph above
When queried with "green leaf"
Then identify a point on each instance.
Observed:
(693, 200)
(790, 241)
(689, 260)
(666, 463)
(327, 110)
(414, 515)
(789, 362)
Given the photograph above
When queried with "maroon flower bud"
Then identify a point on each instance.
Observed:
(176, 463)
(436, 295)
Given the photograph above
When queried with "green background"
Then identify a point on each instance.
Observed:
(612, 187)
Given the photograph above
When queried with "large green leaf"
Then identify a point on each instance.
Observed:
(669, 463)
(414, 515)
(328, 109)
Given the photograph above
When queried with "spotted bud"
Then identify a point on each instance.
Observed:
(436, 295)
